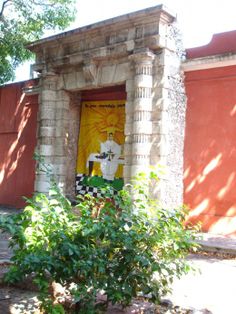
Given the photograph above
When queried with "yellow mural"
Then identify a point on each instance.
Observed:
(101, 139)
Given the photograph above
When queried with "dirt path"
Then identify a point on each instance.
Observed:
(17, 301)
(210, 290)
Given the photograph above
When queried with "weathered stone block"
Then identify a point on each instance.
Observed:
(48, 95)
(129, 128)
(59, 169)
(143, 104)
(60, 160)
(143, 81)
(108, 75)
(127, 173)
(46, 150)
(48, 105)
(63, 96)
(141, 148)
(62, 113)
(42, 186)
(59, 149)
(47, 114)
(70, 80)
(129, 85)
(128, 149)
(47, 140)
(156, 129)
(47, 123)
(142, 128)
(46, 131)
(128, 108)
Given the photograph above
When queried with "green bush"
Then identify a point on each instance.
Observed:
(121, 246)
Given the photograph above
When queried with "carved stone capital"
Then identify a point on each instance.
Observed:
(142, 56)
(143, 62)
(49, 80)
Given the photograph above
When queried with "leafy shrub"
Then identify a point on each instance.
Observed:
(121, 246)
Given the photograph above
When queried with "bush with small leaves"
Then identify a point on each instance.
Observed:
(121, 246)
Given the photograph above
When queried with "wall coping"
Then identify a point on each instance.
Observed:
(209, 62)
(220, 43)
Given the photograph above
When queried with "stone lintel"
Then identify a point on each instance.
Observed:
(111, 39)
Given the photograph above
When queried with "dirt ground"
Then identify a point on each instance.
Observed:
(209, 290)
(18, 301)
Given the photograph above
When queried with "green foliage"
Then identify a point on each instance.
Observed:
(122, 247)
(23, 21)
(97, 181)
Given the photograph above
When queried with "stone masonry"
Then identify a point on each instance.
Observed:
(135, 50)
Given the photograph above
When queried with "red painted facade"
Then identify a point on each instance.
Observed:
(210, 143)
(18, 123)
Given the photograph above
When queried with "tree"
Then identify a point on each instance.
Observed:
(24, 21)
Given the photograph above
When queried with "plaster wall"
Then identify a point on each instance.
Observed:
(210, 151)
(18, 124)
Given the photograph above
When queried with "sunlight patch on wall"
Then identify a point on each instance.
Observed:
(2, 174)
(190, 186)
(14, 164)
(227, 186)
(200, 208)
(212, 164)
(224, 223)
(233, 111)
(187, 172)
(231, 211)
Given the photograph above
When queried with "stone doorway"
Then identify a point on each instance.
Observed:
(100, 156)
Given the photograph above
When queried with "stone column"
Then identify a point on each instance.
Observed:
(128, 128)
(62, 138)
(46, 127)
(53, 131)
(142, 111)
(168, 116)
(71, 149)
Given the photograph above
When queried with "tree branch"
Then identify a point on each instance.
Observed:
(3, 7)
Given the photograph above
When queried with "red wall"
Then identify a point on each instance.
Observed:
(18, 122)
(210, 149)
(209, 156)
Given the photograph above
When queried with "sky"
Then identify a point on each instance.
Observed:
(198, 20)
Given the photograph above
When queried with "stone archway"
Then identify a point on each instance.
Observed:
(136, 50)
